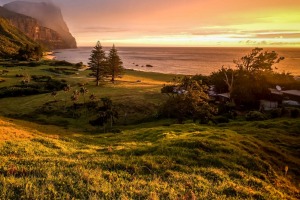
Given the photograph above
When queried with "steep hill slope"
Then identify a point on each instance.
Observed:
(12, 39)
(47, 15)
(237, 161)
(34, 30)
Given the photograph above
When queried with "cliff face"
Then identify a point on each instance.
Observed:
(12, 39)
(46, 15)
(34, 30)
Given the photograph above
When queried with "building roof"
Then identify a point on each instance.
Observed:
(226, 95)
(275, 91)
(292, 92)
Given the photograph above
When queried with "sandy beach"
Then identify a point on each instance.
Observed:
(48, 55)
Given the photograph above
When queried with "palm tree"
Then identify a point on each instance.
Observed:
(54, 94)
(67, 88)
(74, 98)
(93, 97)
(83, 91)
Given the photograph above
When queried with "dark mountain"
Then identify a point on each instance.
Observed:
(34, 30)
(12, 39)
(47, 15)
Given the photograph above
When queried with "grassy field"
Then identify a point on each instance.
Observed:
(50, 156)
(136, 95)
(151, 161)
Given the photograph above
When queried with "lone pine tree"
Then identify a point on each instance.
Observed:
(114, 67)
(98, 63)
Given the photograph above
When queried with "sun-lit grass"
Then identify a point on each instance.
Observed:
(139, 91)
(65, 158)
(164, 162)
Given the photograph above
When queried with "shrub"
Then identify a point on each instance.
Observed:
(18, 91)
(55, 85)
(295, 113)
(115, 131)
(19, 75)
(34, 64)
(61, 63)
(275, 113)
(255, 116)
(78, 65)
(220, 119)
(40, 78)
(39, 87)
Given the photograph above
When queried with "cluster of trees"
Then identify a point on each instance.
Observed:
(104, 66)
(29, 52)
(188, 99)
(250, 80)
(248, 83)
(103, 107)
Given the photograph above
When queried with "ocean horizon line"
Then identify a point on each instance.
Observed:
(225, 47)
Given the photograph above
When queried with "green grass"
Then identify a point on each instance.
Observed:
(137, 100)
(46, 155)
(150, 161)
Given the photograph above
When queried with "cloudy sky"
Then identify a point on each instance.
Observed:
(182, 22)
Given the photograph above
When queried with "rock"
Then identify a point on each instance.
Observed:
(41, 21)
(12, 39)
(149, 65)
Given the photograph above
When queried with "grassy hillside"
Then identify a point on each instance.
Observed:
(67, 158)
(151, 161)
(137, 94)
(11, 39)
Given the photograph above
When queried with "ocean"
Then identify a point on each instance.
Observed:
(183, 60)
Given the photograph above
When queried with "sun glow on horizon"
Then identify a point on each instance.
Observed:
(271, 27)
(230, 23)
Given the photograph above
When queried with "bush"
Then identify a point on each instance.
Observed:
(62, 70)
(40, 78)
(220, 119)
(275, 113)
(61, 63)
(255, 116)
(115, 131)
(295, 113)
(34, 64)
(54, 85)
(18, 91)
(38, 87)
(78, 65)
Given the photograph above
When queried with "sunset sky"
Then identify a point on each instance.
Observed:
(183, 23)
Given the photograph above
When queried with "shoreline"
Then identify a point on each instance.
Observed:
(182, 61)
(49, 55)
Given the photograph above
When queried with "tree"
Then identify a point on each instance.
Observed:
(83, 91)
(106, 113)
(188, 101)
(249, 82)
(92, 97)
(115, 67)
(258, 60)
(74, 98)
(30, 53)
(66, 89)
(98, 62)
(223, 80)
